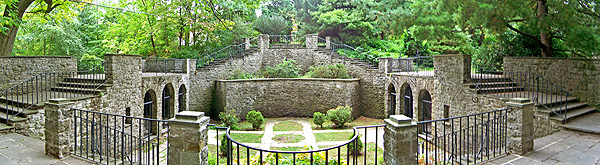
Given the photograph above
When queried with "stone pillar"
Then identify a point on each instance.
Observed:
(188, 138)
(405, 65)
(452, 67)
(124, 72)
(191, 66)
(400, 140)
(59, 128)
(263, 41)
(385, 64)
(311, 41)
(327, 42)
(520, 125)
(247, 42)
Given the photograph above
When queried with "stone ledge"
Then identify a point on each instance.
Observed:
(290, 79)
(132, 55)
(36, 57)
(554, 58)
(452, 55)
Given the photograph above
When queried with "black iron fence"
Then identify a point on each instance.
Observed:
(20, 99)
(417, 66)
(286, 41)
(524, 85)
(222, 54)
(232, 152)
(353, 53)
(467, 139)
(115, 139)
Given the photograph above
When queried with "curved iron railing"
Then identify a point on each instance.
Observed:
(266, 156)
(522, 84)
(234, 50)
(348, 51)
(21, 98)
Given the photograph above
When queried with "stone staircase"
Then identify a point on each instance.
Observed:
(15, 109)
(550, 104)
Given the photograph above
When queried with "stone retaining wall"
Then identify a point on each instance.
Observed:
(581, 77)
(287, 97)
(16, 69)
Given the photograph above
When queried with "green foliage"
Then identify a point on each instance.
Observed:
(89, 64)
(319, 118)
(318, 158)
(256, 118)
(229, 117)
(223, 146)
(240, 75)
(338, 71)
(286, 69)
(340, 115)
(274, 24)
(355, 144)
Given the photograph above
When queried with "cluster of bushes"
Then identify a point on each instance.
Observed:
(289, 69)
(338, 116)
(230, 119)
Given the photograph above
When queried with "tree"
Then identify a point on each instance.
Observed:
(13, 15)
(552, 24)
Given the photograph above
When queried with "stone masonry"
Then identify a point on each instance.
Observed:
(287, 97)
(16, 69)
(188, 139)
(400, 140)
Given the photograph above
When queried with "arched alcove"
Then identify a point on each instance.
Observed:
(425, 110)
(150, 112)
(181, 98)
(168, 108)
(392, 99)
(407, 98)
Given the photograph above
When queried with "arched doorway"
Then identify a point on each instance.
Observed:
(168, 102)
(150, 113)
(392, 100)
(181, 98)
(408, 101)
(425, 110)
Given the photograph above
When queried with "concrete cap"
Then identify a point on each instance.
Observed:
(519, 100)
(59, 100)
(189, 115)
(400, 119)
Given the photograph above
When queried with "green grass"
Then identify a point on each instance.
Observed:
(332, 136)
(287, 126)
(246, 137)
(333, 153)
(241, 126)
(288, 138)
(361, 121)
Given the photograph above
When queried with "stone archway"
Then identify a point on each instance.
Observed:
(168, 101)
(150, 113)
(181, 98)
(392, 94)
(425, 110)
(407, 98)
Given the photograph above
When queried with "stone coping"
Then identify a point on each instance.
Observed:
(452, 55)
(133, 55)
(554, 58)
(36, 57)
(290, 79)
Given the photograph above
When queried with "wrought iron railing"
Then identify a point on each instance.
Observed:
(164, 65)
(240, 153)
(418, 66)
(235, 50)
(115, 139)
(524, 85)
(23, 97)
(467, 139)
(353, 53)
(286, 41)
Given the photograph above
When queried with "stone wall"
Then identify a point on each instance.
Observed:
(155, 85)
(581, 77)
(124, 72)
(305, 58)
(287, 97)
(165, 65)
(16, 69)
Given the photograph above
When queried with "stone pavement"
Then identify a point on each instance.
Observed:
(19, 149)
(588, 123)
(564, 147)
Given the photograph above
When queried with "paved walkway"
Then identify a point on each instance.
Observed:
(19, 149)
(564, 147)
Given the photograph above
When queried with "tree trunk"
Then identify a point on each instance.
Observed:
(545, 36)
(7, 40)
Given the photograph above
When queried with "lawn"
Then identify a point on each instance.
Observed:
(287, 126)
(241, 126)
(288, 138)
(333, 153)
(332, 136)
(361, 121)
(246, 137)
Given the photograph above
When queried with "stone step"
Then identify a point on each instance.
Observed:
(16, 109)
(499, 90)
(11, 120)
(84, 85)
(561, 107)
(78, 90)
(490, 79)
(493, 84)
(572, 114)
(4, 127)
(84, 80)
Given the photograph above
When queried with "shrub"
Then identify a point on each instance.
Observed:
(329, 71)
(238, 74)
(319, 118)
(287, 69)
(223, 146)
(340, 115)
(228, 117)
(256, 118)
(358, 142)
